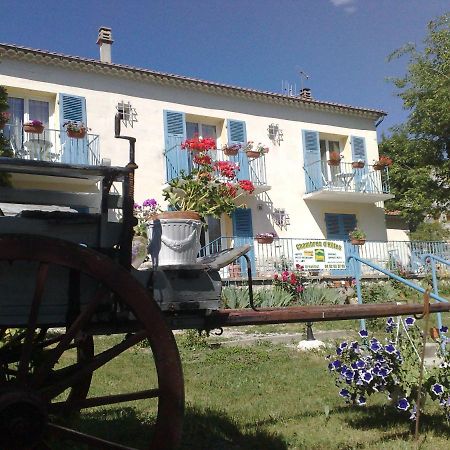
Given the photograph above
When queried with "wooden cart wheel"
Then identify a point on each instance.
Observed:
(30, 400)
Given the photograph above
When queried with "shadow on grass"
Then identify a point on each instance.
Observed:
(204, 429)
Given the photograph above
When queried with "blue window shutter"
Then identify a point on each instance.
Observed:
(311, 161)
(243, 232)
(358, 148)
(339, 225)
(177, 160)
(73, 108)
(237, 134)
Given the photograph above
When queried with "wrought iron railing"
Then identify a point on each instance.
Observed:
(178, 160)
(53, 146)
(404, 257)
(346, 177)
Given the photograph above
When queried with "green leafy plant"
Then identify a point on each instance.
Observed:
(5, 146)
(316, 294)
(357, 233)
(273, 298)
(235, 297)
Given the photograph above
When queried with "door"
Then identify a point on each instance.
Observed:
(243, 233)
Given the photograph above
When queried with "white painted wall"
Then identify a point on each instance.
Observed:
(284, 162)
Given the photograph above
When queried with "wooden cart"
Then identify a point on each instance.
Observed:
(65, 276)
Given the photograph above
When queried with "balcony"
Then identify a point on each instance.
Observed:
(346, 183)
(53, 146)
(178, 160)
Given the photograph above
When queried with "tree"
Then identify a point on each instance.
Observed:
(420, 174)
(5, 147)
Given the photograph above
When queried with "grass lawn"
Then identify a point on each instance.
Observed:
(255, 398)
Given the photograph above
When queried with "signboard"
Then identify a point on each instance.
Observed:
(320, 255)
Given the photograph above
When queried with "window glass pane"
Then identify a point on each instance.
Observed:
(209, 131)
(191, 129)
(38, 110)
(14, 132)
(333, 146)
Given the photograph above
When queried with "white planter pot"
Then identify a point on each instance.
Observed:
(174, 241)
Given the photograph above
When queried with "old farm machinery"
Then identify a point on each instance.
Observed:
(66, 277)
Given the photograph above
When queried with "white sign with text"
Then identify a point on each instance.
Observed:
(320, 254)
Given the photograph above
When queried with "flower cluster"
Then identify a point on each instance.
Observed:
(366, 366)
(199, 144)
(34, 123)
(76, 127)
(335, 156)
(291, 282)
(384, 161)
(357, 234)
(4, 117)
(204, 189)
(144, 213)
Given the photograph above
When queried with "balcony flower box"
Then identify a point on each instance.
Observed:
(383, 162)
(265, 238)
(335, 159)
(357, 237)
(76, 130)
(253, 151)
(231, 150)
(358, 164)
(33, 126)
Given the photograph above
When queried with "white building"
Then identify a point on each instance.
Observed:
(298, 194)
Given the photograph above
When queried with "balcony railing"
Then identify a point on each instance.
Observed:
(405, 257)
(53, 146)
(178, 160)
(320, 176)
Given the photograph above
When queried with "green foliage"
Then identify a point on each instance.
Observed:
(273, 298)
(5, 147)
(194, 339)
(235, 297)
(316, 294)
(419, 148)
(433, 231)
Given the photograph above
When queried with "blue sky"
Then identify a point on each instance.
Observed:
(341, 44)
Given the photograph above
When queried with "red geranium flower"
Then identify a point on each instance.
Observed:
(247, 185)
(199, 144)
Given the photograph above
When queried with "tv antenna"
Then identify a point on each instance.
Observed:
(303, 76)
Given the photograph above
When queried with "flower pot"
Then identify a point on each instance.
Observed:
(231, 151)
(378, 166)
(357, 241)
(358, 164)
(76, 134)
(138, 250)
(252, 154)
(334, 162)
(264, 240)
(174, 238)
(36, 129)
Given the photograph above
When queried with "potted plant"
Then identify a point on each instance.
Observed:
(334, 158)
(359, 164)
(382, 162)
(33, 126)
(211, 189)
(231, 150)
(76, 130)
(255, 151)
(4, 119)
(265, 238)
(357, 237)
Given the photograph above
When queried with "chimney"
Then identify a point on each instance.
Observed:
(305, 94)
(105, 41)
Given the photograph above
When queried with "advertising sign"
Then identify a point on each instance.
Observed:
(320, 255)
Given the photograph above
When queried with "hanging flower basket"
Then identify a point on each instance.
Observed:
(334, 162)
(358, 241)
(230, 151)
(358, 164)
(378, 166)
(80, 134)
(36, 129)
(264, 240)
(252, 154)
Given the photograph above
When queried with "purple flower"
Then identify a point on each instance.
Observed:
(375, 345)
(361, 400)
(151, 202)
(363, 333)
(443, 329)
(367, 377)
(348, 374)
(437, 389)
(344, 393)
(360, 364)
(336, 364)
(343, 345)
(390, 348)
(409, 321)
(403, 404)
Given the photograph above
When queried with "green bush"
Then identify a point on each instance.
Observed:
(272, 298)
(316, 294)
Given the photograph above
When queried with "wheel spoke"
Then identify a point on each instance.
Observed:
(107, 400)
(66, 339)
(84, 369)
(32, 322)
(92, 441)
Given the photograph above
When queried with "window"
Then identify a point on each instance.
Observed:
(23, 110)
(339, 225)
(326, 147)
